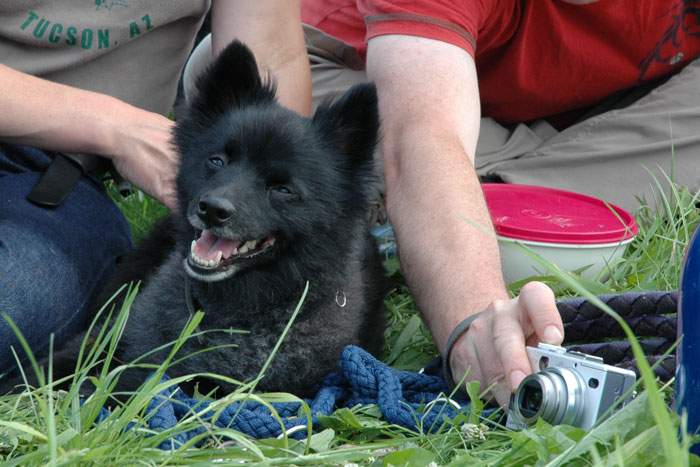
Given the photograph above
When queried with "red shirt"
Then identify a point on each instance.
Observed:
(536, 58)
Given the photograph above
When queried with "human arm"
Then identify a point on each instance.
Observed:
(56, 117)
(272, 29)
(429, 105)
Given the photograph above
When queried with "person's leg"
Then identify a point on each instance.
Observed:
(610, 155)
(199, 60)
(52, 261)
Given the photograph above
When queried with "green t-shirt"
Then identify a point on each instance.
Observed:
(130, 49)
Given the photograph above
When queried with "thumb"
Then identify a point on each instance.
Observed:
(540, 310)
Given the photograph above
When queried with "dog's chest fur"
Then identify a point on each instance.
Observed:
(243, 323)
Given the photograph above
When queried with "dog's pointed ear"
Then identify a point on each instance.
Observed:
(231, 81)
(353, 122)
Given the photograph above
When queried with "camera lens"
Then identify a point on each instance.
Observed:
(530, 399)
(554, 394)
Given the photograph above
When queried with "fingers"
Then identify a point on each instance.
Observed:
(508, 338)
(474, 359)
(495, 347)
(146, 157)
(151, 178)
(540, 314)
(491, 372)
(169, 199)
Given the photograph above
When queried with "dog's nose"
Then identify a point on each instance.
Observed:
(214, 210)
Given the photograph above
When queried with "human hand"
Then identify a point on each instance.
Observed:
(144, 154)
(493, 351)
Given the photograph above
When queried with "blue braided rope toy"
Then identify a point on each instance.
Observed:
(413, 400)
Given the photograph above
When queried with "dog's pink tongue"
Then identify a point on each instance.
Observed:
(207, 246)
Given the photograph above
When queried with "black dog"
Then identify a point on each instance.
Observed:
(268, 201)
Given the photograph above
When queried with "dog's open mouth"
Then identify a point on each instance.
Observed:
(213, 258)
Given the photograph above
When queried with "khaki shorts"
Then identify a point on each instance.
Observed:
(614, 155)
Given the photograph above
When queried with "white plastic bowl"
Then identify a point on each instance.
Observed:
(595, 258)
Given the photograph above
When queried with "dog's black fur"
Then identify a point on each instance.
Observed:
(305, 182)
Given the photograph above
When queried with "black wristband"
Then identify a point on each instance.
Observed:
(457, 332)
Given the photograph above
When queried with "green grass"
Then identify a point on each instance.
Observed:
(44, 426)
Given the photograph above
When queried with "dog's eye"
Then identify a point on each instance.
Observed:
(282, 189)
(279, 188)
(216, 161)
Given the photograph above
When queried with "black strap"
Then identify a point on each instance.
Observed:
(60, 178)
(457, 332)
(56, 183)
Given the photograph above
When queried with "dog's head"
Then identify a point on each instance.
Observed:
(258, 183)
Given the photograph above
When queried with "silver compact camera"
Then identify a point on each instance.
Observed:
(570, 388)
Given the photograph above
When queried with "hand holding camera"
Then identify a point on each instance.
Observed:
(570, 388)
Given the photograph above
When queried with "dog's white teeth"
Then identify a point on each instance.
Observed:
(209, 263)
(192, 245)
(251, 244)
(217, 258)
(244, 249)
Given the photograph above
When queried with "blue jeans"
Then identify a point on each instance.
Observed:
(52, 261)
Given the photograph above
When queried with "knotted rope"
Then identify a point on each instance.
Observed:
(412, 400)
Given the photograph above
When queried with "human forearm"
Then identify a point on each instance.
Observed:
(56, 117)
(272, 29)
(437, 207)
(448, 250)
(449, 253)
(450, 257)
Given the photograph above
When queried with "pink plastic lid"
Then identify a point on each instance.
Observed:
(548, 215)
